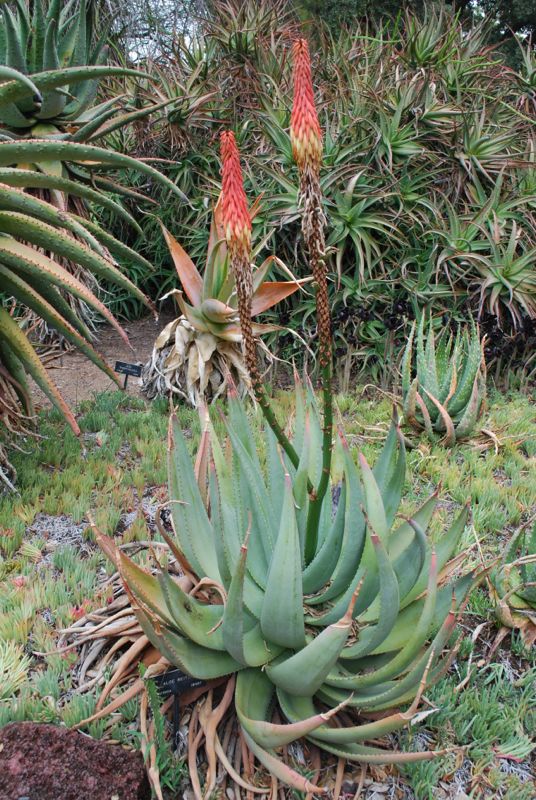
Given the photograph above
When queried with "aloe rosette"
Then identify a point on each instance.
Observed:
(513, 586)
(198, 353)
(52, 59)
(361, 627)
(445, 391)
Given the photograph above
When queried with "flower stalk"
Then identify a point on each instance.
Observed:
(306, 138)
(237, 226)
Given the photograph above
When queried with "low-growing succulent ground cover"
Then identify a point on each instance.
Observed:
(51, 573)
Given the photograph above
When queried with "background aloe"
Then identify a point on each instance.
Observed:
(444, 391)
(428, 154)
(513, 586)
(35, 239)
(198, 356)
(54, 56)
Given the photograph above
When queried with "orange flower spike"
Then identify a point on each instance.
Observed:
(305, 131)
(236, 218)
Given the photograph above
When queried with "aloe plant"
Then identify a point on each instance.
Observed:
(311, 593)
(348, 629)
(513, 586)
(197, 354)
(445, 392)
(36, 239)
(52, 59)
(53, 55)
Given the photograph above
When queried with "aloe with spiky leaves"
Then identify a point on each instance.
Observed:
(53, 57)
(52, 60)
(444, 393)
(362, 625)
(36, 239)
(513, 586)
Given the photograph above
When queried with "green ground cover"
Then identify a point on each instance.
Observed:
(51, 571)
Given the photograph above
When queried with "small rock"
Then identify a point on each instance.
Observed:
(46, 762)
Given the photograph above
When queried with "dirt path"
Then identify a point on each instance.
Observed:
(79, 379)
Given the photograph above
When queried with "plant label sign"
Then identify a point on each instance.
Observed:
(174, 683)
(126, 369)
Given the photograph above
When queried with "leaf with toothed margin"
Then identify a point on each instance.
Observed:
(22, 349)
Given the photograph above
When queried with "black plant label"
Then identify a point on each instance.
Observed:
(176, 682)
(125, 368)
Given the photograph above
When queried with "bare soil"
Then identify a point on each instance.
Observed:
(79, 379)
(46, 762)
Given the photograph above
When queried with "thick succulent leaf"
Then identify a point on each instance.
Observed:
(247, 647)
(190, 657)
(112, 244)
(389, 602)
(304, 672)
(35, 151)
(16, 200)
(409, 616)
(370, 755)
(31, 179)
(192, 526)
(49, 238)
(473, 409)
(279, 769)
(201, 622)
(26, 85)
(189, 276)
(408, 652)
(17, 377)
(22, 349)
(270, 294)
(345, 577)
(146, 588)
(24, 292)
(256, 499)
(319, 571)
(445, 547)
(471, 368)
(376, 515)
(298, 708)
(54, 298)
(14, 90)
(253, 698)
(282, 609)
(443, 420)
(20, 257)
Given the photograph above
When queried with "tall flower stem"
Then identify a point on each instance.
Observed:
(237, 224)
(306, 138)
